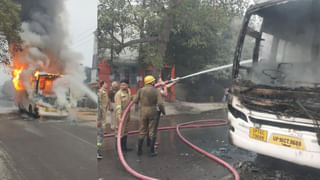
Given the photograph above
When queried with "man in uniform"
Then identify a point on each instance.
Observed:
(150, 98)
(112, 92)
(122, 99)
(103, 104)
(163, 88)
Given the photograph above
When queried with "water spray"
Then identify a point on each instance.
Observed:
(204, 72)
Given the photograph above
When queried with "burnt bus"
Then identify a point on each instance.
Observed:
(41, 100)
(275, 105)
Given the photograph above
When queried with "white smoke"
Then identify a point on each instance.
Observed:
(46, 45)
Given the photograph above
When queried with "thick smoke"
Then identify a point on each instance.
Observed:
(46, 37)
(46, 45)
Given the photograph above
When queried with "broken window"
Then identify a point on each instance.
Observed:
(45, 86)
(284, 44)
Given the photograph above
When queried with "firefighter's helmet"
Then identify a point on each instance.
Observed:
(149, 79)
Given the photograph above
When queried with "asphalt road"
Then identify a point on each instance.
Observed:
(177, 161)
(48, 149)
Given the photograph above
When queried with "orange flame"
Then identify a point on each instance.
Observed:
(17, 68)
(19, 64)
(36, 74)
(16, 79)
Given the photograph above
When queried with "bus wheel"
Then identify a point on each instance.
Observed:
(30, 110)
(36, 113)
(20, 108)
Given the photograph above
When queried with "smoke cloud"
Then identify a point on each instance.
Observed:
(46, 46)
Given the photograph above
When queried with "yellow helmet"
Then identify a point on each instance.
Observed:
(149, 79)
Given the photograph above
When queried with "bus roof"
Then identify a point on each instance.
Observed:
(48, 74)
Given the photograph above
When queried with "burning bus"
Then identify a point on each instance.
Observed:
(40, 99)
(275, 105)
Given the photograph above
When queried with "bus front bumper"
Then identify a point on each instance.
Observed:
(47, 112)
(239, 136)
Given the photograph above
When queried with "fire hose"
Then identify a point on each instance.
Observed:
(214, 122)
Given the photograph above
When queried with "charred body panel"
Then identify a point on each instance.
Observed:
(276, 99)
(280, 101)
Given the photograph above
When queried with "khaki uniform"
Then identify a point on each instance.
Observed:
(150, 98)
(111, 94)
(103, 103)
(122, 100)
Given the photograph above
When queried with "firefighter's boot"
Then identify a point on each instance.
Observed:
(122, 145)
(140, 143)
(148, 141)
(125, 148)
(115, 145)
(153, 152)
(99, 154)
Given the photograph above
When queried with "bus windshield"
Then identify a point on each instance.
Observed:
(284, 43)
(45, 85)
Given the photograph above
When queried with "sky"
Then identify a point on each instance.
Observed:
(82, 23)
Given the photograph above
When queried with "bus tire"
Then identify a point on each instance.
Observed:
(30, 110)
(21, 110)
(36, 113)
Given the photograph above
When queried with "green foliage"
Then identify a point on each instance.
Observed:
(205, 36)
(200, 32)
(126, 23)
(9, 20)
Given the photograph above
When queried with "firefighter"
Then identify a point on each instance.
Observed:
(122, 99)
(112, 93)
(163, 88)
(103, 104)
(150, 98)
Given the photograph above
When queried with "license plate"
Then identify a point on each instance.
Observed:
(287, 141)
(50, 110)
(258, 134)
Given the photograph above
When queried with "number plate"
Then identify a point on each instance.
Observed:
(258, 134)
(287, 141)
(50, 110)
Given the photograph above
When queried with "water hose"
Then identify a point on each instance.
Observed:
(191, 124)
(120, 153)
(220, 161)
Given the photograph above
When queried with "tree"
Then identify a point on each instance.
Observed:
(10, 23)
(189, 33)
(203, 35)
(127, 24)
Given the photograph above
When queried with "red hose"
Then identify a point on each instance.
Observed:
(215, 122)
(123, 161)
(234, 172)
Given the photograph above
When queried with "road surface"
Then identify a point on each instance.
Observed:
(177, 161)
(50, 149)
